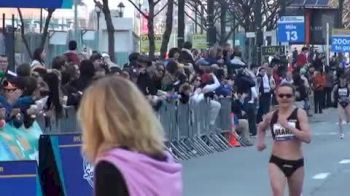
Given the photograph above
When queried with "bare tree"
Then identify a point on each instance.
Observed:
(46, 27)
(150, 19)
(242, 14)
(168, 28)
(110, 27)
(181, 23)
(44, 34)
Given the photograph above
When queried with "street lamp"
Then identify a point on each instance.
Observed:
(98, 13)
(121, 7)
(140, 23)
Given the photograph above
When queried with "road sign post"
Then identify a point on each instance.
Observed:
(291, 29)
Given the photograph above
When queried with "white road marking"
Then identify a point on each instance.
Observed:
(344, 161)
(325, 134)
(321, 176)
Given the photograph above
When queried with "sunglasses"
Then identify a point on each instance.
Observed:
(10, 90)
(288, 96)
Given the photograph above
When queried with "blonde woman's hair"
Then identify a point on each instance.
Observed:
(114, 113)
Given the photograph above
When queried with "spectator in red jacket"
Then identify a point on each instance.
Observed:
(72, 55)
(302, 58)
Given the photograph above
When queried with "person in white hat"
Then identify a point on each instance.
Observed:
(107, 59)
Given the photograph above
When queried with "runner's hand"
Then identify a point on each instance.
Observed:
(284, 123)
(261, 146)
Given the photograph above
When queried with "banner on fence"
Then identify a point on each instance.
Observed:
(75, 174)
(19, 144)
(19, 178)
(199, 41)
(145, 43)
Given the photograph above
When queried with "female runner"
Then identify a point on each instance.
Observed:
(289, 128)
(341, 92)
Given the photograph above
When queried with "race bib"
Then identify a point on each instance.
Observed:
(267, 89)
(283, 134)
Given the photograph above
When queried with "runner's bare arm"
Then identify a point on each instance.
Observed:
(262, 131)
(263, 125)
(333, 92)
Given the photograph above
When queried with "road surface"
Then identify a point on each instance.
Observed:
(243, 171)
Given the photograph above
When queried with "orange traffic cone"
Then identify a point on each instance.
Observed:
(232, 137)
(232, 140)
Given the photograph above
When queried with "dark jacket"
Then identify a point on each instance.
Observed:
(146, 85)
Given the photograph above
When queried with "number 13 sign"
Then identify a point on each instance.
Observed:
(291, 29)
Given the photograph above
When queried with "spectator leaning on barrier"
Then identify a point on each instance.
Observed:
(174, 54)
(186, 56)
(125, 142)
(236, 63)
(101, 69)
(69, 75)
(87, 73)
(144, 80)
(23, 70)
(207, 86)
(39, 59)
(226, 86)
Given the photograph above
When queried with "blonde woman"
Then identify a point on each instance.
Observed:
(124, 139)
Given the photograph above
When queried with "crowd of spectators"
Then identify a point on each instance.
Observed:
(187, 74)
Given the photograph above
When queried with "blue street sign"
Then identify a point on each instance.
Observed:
(340, 40)
(37, 3)
(291, 29)
(340, 44)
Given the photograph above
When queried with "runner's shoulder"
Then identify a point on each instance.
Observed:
(302, 113)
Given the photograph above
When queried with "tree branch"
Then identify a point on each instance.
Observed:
(198, 24)
(23, 34)
(159, 11)
(138, 9)
(46, 27)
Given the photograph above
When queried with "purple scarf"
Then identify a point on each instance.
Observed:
(145, 176)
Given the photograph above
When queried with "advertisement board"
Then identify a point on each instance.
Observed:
(199, 41)
(64, 165)
(18, 178)
(145, 43)
(67, 4)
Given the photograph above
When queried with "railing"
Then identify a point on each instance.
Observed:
(188, 131)
(187, 128)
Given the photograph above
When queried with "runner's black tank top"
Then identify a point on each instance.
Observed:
(343, 94)
(280, 133)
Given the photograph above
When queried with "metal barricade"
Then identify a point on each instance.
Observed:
(69, 122)
(188, 130)
(187, 126)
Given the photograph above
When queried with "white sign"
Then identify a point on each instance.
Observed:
(291, 19)
(250, 34)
